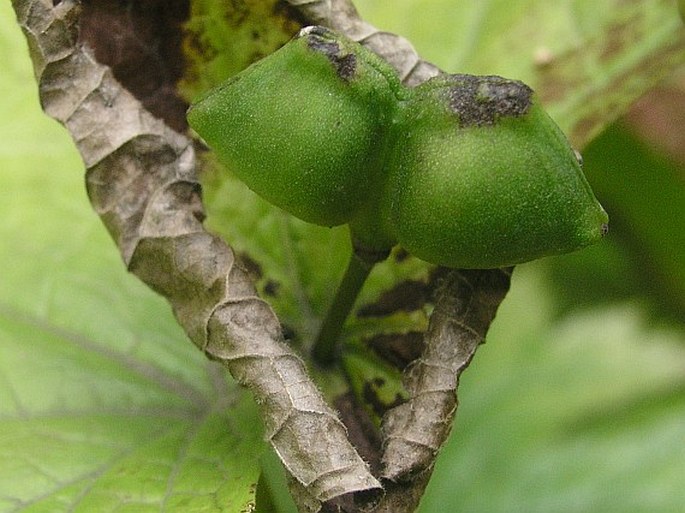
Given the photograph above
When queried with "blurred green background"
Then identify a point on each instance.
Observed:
(575, 404)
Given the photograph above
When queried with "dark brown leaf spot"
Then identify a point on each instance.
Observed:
(271, 288)
(406, 296)
(373, 399)
(288, 332)
(251, 266)
(236, 15)
(141, 43)
(401, 255)
(398, 349)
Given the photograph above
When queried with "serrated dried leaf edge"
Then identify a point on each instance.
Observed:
(141, 181)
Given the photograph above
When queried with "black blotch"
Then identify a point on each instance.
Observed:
(346, 66)
(406, 296)
(370, 394)
(320, 39)
(271, 288)
(398, 349)
(482, 100)
(251, 266)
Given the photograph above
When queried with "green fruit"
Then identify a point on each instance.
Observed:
(302, 126)
(481, 177)
(462, 171)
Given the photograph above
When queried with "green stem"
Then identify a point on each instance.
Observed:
(325, 346)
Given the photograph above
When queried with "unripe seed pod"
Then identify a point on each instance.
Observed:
(462, 171)
(302, 126)
(481, 177)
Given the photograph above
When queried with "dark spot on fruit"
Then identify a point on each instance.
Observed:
(481, 101)
(322, 40)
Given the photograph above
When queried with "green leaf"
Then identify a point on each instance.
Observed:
(222, 39)
(104, 403)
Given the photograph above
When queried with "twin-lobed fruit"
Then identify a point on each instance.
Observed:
(462, 171)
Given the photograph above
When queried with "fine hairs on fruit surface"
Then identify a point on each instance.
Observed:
(462, 171)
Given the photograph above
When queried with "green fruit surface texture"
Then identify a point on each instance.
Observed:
(302, 126)
(480, 176)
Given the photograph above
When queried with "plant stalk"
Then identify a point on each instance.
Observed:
(324, 350)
